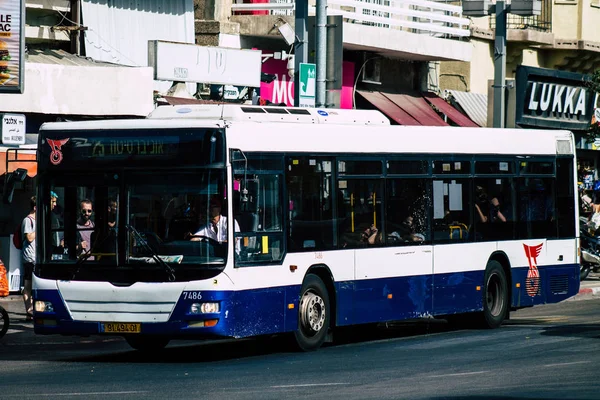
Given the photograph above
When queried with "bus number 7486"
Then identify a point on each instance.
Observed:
(192, 295)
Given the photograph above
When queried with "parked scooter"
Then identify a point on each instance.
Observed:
(590, 251)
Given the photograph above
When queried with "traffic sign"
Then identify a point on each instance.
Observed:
(308, 84)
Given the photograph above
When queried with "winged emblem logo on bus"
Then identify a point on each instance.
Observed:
(532, 284)
(56, 145)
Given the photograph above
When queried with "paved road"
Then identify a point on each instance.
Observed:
(545, 352)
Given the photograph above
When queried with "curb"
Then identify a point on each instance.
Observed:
(589, 291)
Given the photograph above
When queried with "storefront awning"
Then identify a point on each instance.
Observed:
(416, 108)
(405, 109)
(452, 113)
(475, 105)
(389, 108)
(57, 82)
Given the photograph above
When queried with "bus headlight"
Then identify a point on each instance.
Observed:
(43, 306)
(204, 308)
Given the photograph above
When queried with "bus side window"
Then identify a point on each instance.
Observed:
(309, 200)
(451, 210)
(407, 207)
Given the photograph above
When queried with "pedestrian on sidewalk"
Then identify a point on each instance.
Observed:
(28, 235)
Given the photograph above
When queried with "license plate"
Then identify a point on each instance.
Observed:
(121, 327)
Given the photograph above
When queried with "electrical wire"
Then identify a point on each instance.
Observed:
(356, 80)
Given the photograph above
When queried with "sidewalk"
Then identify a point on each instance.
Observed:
(589, 288)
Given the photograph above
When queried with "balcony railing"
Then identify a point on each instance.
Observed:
(541, 23)
(428, 17)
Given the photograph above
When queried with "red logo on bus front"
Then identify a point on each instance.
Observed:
(56, 155)
(533, 275)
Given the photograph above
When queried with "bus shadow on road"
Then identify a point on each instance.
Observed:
(189, 351)
(588, 331)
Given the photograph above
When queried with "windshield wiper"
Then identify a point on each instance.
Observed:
(156, 257)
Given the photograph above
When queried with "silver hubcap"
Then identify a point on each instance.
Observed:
(312, 312)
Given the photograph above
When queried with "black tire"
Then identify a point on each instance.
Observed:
(4, 321)
(147, 343)
(495, 296)
(585, 271)
(314, 314)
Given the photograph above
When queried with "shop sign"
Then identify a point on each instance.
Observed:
(12, 45)
(13, 129)
(184, 62)
(553, 99)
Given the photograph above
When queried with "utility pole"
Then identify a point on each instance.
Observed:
(500, 65)
(300, 45)
(321, 58)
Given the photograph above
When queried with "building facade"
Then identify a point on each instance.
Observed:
(563, 42)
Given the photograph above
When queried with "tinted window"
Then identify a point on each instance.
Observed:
(564, 201)
(310, 201)
(408, 167)
(451, 210)
(360, 210)
(451, 167)
(494, 167)
(493, 217)
(536, 167)
(407, 209)
(535, 208)
(360, 167)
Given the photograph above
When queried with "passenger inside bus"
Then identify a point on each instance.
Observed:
(406, 232)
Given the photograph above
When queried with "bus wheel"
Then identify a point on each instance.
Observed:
(147, 343)
(495, 296)
(313, 314)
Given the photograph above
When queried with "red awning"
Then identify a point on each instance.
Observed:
(405, 108)
(415, 105)
(452, 113)
(25, 160)
(389, 108)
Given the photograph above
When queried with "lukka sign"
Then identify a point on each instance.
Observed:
(553, 99)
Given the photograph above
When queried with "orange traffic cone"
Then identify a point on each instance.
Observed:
(3, 281)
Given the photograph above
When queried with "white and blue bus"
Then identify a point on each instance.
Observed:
(334, 218)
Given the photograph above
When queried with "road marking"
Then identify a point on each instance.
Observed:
(309, 385)
(543, 318)
(569, 363)
(78, 394)
(458, 374)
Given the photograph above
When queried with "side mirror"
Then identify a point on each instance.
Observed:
(10, 182)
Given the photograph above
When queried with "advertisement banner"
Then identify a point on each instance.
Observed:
(281, 90)
(12, 44)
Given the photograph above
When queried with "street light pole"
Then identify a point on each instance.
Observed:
(500, 65)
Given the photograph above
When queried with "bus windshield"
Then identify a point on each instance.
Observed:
(136, 226)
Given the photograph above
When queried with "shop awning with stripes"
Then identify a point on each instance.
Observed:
(413, 108)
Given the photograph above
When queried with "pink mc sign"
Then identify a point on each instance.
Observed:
(281, 90)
